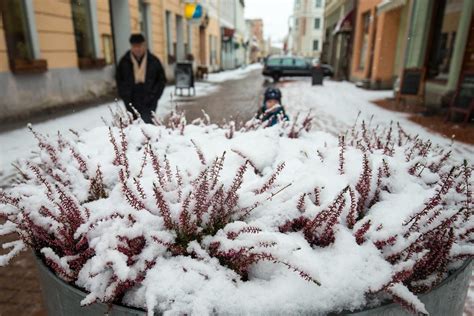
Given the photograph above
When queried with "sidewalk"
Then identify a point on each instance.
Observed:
(19, 288)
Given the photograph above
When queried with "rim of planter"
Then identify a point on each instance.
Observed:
(77, 290)
(119, 307)
(448, 279)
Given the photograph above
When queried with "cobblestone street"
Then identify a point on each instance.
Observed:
(238, 99)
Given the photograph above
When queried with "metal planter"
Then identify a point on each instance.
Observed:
(62, 299)
(447, 299)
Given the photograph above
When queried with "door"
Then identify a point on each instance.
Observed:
(202, 46)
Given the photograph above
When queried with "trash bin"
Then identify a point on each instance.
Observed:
(317, 75)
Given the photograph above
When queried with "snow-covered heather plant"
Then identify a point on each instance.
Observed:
(196, 219)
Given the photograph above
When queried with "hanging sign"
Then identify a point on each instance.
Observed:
(193, 11)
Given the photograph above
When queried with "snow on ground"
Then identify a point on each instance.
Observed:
(336, 106)
(232, 74)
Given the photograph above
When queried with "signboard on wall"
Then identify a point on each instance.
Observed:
(193, 11)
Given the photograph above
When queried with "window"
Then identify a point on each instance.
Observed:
(212, 50)
(287, 62)
(297, 23)
(108, 48)
(169, 39)
(364, 39)
(274, 62)
(297, 4)
(315, 45)
(317, 23)
(143, 17)
(82, 28)
(300, 63)
(318, 3)
(447, 14)
(17, 31)
(20, 36)
(145, 20)
(189, 39)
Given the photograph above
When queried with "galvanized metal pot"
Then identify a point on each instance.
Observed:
(447, 299)
(62, 299)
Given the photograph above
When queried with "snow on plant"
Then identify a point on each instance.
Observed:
(193, 218)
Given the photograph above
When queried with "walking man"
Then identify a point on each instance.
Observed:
(140, 78)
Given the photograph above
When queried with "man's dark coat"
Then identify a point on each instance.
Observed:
(143, 96)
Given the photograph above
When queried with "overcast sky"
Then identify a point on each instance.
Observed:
(274, 13)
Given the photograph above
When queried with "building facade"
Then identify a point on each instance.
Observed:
(240, 41)
(59, 52)
(441, 40)
(375, 44)
(307, 28)
(338, 36)
(393, 35)
(256, 41)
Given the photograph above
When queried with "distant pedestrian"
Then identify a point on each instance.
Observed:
(140, 78)
(272, 111)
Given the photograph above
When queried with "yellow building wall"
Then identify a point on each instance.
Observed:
(386, 46)
(363, 7)
(134, 16)
(55, 33)
(3, 50)
(158, 33)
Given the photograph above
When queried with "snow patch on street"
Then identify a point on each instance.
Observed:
(233, 74)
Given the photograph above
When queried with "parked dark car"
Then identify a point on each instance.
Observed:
(291, 66)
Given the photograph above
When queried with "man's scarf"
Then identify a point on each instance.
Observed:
(139, 70)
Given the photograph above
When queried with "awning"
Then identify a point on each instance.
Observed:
(345, 24)
(227, 33)
(388, 5)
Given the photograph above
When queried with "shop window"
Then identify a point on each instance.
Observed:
(18, 35)
(365, 39)
(447, 14)
(82, 28)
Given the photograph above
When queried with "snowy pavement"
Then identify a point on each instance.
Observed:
(336, 106)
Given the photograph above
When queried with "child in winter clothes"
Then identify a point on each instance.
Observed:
(272, 111)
